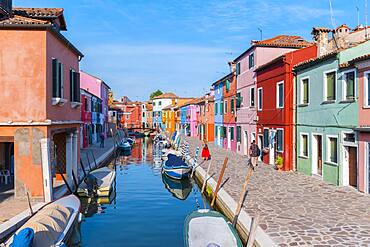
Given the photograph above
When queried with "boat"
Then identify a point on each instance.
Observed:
(175, 167)
(104, 182)
(92, 205)
(178, 188)
(209, 228)
(124, 146)
(130, 141)
(52, 225)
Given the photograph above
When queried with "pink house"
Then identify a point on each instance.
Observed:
(259, 53)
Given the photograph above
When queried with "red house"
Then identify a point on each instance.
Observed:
(275, 106)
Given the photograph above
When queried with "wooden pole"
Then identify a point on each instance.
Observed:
(206, 178)
(29, 203)
(83, 168)
(75, 181)
(253, 230)
(88, 161)
(92, 154)
(219, 181)
(242, 195)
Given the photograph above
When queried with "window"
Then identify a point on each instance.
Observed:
(238, 133)
(304, 145)
(239, 100)
(280, 95)
(349, 85)
(58, 78)
(227, 85)
(221, 107)
(86, 105)
(266, 138)
(330, 86)
(224, 130)
(225, 106)
(251, 97)
(127, 117)
(251, 60)
(367, 89)
(232, 133)
(260, 99)
(305, 91)
(333, 149)
(232, 105)
(160, 103)
(238, 68)
(153, 103)
(216, 108)
(143, 114)
(280, 140)
(74, 85)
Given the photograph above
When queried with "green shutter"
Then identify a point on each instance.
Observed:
(232, 105)
(60, 80)
(221, 108)
(227, 85)
(350, 85)
(305, 91)
(216, 108)
(232, 133)
(265, 137)
(330, 86)
(55, 75)
(71, 85)
(238, 133)
(333, 150)
(280, 140)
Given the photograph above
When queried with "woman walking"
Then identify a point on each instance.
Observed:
(206, 155)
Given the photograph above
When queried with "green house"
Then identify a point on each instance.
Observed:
(326, 116)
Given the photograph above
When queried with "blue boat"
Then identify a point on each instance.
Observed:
(176, 168)
(178, 188)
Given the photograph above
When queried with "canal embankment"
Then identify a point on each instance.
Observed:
(294, 209)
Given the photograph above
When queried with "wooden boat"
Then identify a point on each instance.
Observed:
(52, 225)
(104, 178)
(176, 168)
(209, 228)
(178, 188)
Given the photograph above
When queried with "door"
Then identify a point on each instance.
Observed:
(352, 166)
(260, 145)
(317, 155)
(272, 147)
(246, 149)
(219, 135)
(228, 137)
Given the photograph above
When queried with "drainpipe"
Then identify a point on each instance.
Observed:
(295, 131)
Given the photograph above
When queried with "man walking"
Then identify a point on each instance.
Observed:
(254, 152)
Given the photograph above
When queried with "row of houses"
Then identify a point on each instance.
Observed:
(49, 108)
(305, 102)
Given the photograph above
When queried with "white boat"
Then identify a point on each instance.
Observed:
(176, 168)
(104, 178)
(52, 225)
(209, 228)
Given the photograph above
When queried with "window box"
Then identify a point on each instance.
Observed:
(75, 104)
(328, 102)
(347, 101)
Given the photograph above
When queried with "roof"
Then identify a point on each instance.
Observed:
(192, 102)
(355, 60)
(312, 61)
(102, 81)
(223, 79)
(263, 66)
(280, 41)
(166, 96)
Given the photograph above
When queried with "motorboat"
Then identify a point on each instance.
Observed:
(99, 181)
(209, 228)
(176, 168)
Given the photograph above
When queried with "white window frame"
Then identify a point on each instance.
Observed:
(278, 95)
(259, 100)
(301, 94)
(250, 96)
(254, 60)
(366, 85)
(301, 154)
(325, 82)
(327, 158)
(344, 84)
(282, 140)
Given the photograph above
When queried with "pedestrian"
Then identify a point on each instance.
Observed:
(102, 137)
(254, 153)
(206, 155)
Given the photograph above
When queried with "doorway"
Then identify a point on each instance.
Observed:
(260, 146)
(228, 137)
(350, 166)
(272, 147)
(7, 170)
(246, 149)
(317, 155)
(219, 135)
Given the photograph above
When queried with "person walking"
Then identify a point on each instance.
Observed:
(102, 137)
(254, 153)
(206, 155)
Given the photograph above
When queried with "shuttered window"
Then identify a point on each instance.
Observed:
(227, 85)
(216, 108)
(239, 100)
(238, 68)
(221, 108)
(280, 95)
(280, 140)
(232, 133)
(333, 149)
(304, 145)
(232, 105)
(238, 133)
(251, 60)
(305, 91)
(74, 81)
(350, 85)
(260, 99)
(225, 106)
(57, 79)
(330, 86)
(251, 97)
(368, 90)
(265, 138)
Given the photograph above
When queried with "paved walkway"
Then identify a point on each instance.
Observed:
(296, 210)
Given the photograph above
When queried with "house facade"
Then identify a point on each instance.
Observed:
(229, 114)
(259, 53)
(42, 130)
(276, 116)
(86, 118)
(328, 115)
(218, 112)
(159, 103)
(205, 118)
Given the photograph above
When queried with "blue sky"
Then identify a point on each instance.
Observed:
(182, 46)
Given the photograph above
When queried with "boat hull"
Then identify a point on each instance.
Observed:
(177, 172)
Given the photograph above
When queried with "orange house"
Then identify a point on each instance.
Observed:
(205, 118)
(40, 100)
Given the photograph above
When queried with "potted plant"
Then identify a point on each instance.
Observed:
(279, 163)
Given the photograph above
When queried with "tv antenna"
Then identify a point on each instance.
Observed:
(260, 29)
(332, 15)
(358, 15)
(366, 14)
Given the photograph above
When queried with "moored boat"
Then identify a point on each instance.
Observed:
(52, 225)
(104, 182)
(178, 188)
(209, 228)
(124, 146)
(175, 167)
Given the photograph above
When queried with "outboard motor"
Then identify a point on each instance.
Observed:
(92, 184)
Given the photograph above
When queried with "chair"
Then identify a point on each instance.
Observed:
(5, 174)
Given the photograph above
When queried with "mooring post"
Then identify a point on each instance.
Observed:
(219, 181)
(83, 168)
(88, 161)
(253, 230)
(242, 195)
(206, 177)
(92, 154)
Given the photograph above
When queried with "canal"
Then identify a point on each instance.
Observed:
(145, 209)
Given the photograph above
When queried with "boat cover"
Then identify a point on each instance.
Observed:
(210, 231)
(24, 238)
(175, 161)
(48, 224)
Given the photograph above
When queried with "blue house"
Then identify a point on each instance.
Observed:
(219, 110)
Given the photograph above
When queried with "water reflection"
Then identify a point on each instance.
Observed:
(178, 188)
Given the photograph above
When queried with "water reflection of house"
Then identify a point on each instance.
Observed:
(40, 99)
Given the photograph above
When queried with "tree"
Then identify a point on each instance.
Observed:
(155, 94)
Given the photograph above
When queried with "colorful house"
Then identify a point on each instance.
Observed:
(149, 115)
(131, 115)
(229, 116)
(86, 118)
(218, 111)
(159, 103)
(41, 132)
(276, 116)
(259, 53)
(205, 118)
(328, 114)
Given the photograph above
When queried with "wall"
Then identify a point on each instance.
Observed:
(23, 66)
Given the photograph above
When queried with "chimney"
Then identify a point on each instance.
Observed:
(232, 66)
(321, 38)
(5, 9)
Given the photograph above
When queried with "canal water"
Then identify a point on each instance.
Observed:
(146, 208)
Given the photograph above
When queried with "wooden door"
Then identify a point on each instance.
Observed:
(352, 163)
(319, 155)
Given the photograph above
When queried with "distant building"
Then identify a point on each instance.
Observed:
(159, 103)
